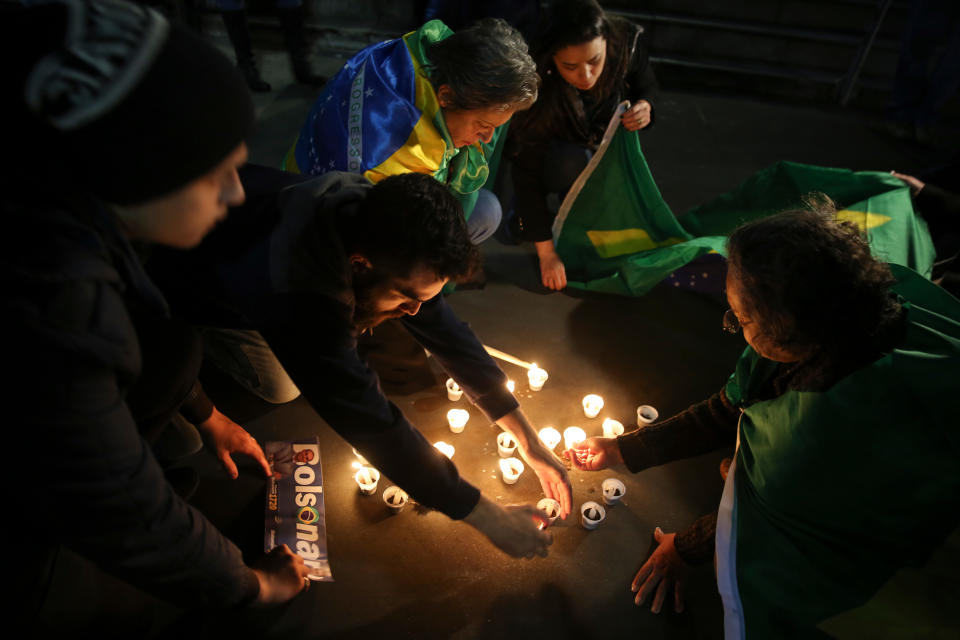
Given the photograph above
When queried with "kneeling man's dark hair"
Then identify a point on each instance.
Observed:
(412, 220)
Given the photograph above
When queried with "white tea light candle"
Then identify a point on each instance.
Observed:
(510, 470)
(591, 405)
(646, 415)
(444, 448)
(367, 479)
(612, 428)
(591, 515)
(506, 444)
(457, 418)
(550, 508)
(536, 377)
(550, 437)
(395, 498)
(612, 490)
(572, 436)
(454, 392)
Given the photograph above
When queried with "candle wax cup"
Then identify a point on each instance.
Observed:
(550, 508)
(646, 414)
(592, 404)
(550, 437)
(454, 392)
(612, 489)
(612, 428)
(536, 377)
(457, 418)
(572, 436)
(395, 498)
(506, 445)
(591, 515)
(367, 479)
(510, 470)
(444, 448)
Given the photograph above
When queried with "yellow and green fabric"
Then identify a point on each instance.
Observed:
(835, 496)
(616, 234)
(379, 116)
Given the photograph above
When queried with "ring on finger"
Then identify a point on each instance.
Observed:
(306, 583)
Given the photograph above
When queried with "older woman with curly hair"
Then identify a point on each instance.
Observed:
(433, 102)
(843, 411)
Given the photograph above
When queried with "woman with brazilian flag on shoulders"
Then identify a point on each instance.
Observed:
(433, 102)
(846, 476)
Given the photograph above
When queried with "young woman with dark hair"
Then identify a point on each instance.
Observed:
(843, 413)
(589, 62)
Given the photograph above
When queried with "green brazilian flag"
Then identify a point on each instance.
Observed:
(615, 233)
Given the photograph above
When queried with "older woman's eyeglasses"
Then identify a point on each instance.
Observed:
(731, 323)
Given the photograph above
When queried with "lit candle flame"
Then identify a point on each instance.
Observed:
(550, 437)
(444, 448)
(573, 435)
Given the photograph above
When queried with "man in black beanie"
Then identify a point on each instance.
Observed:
(126, 131)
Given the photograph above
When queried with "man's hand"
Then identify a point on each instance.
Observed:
(915, 185)
(549, 468)
(552, 474)
(638, 116)
(513, 529)
(224, 437)
(282, 575)
(663, 570)
(594, 454)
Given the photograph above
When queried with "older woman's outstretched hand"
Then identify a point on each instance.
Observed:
(594, 454)
(664, 570)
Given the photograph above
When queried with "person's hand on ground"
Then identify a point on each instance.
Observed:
(663, 571)
(594, 454)
(225, 437)
(552, 272)
(914, 184)
(638, 116)
(513, 529)
(552, 474)
(282, 575)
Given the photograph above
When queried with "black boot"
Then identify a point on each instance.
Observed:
(236, 24)
(293, 34)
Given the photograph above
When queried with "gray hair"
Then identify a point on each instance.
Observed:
(486, 66)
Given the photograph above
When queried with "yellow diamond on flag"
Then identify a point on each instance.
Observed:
(610, 244)
(863, 219)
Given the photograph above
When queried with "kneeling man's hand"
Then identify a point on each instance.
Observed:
(514, 528)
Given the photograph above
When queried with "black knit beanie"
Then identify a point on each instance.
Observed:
(120, 103)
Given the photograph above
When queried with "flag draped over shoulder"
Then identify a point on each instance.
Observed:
(835, 492)
(380, 116)
(616, 234)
